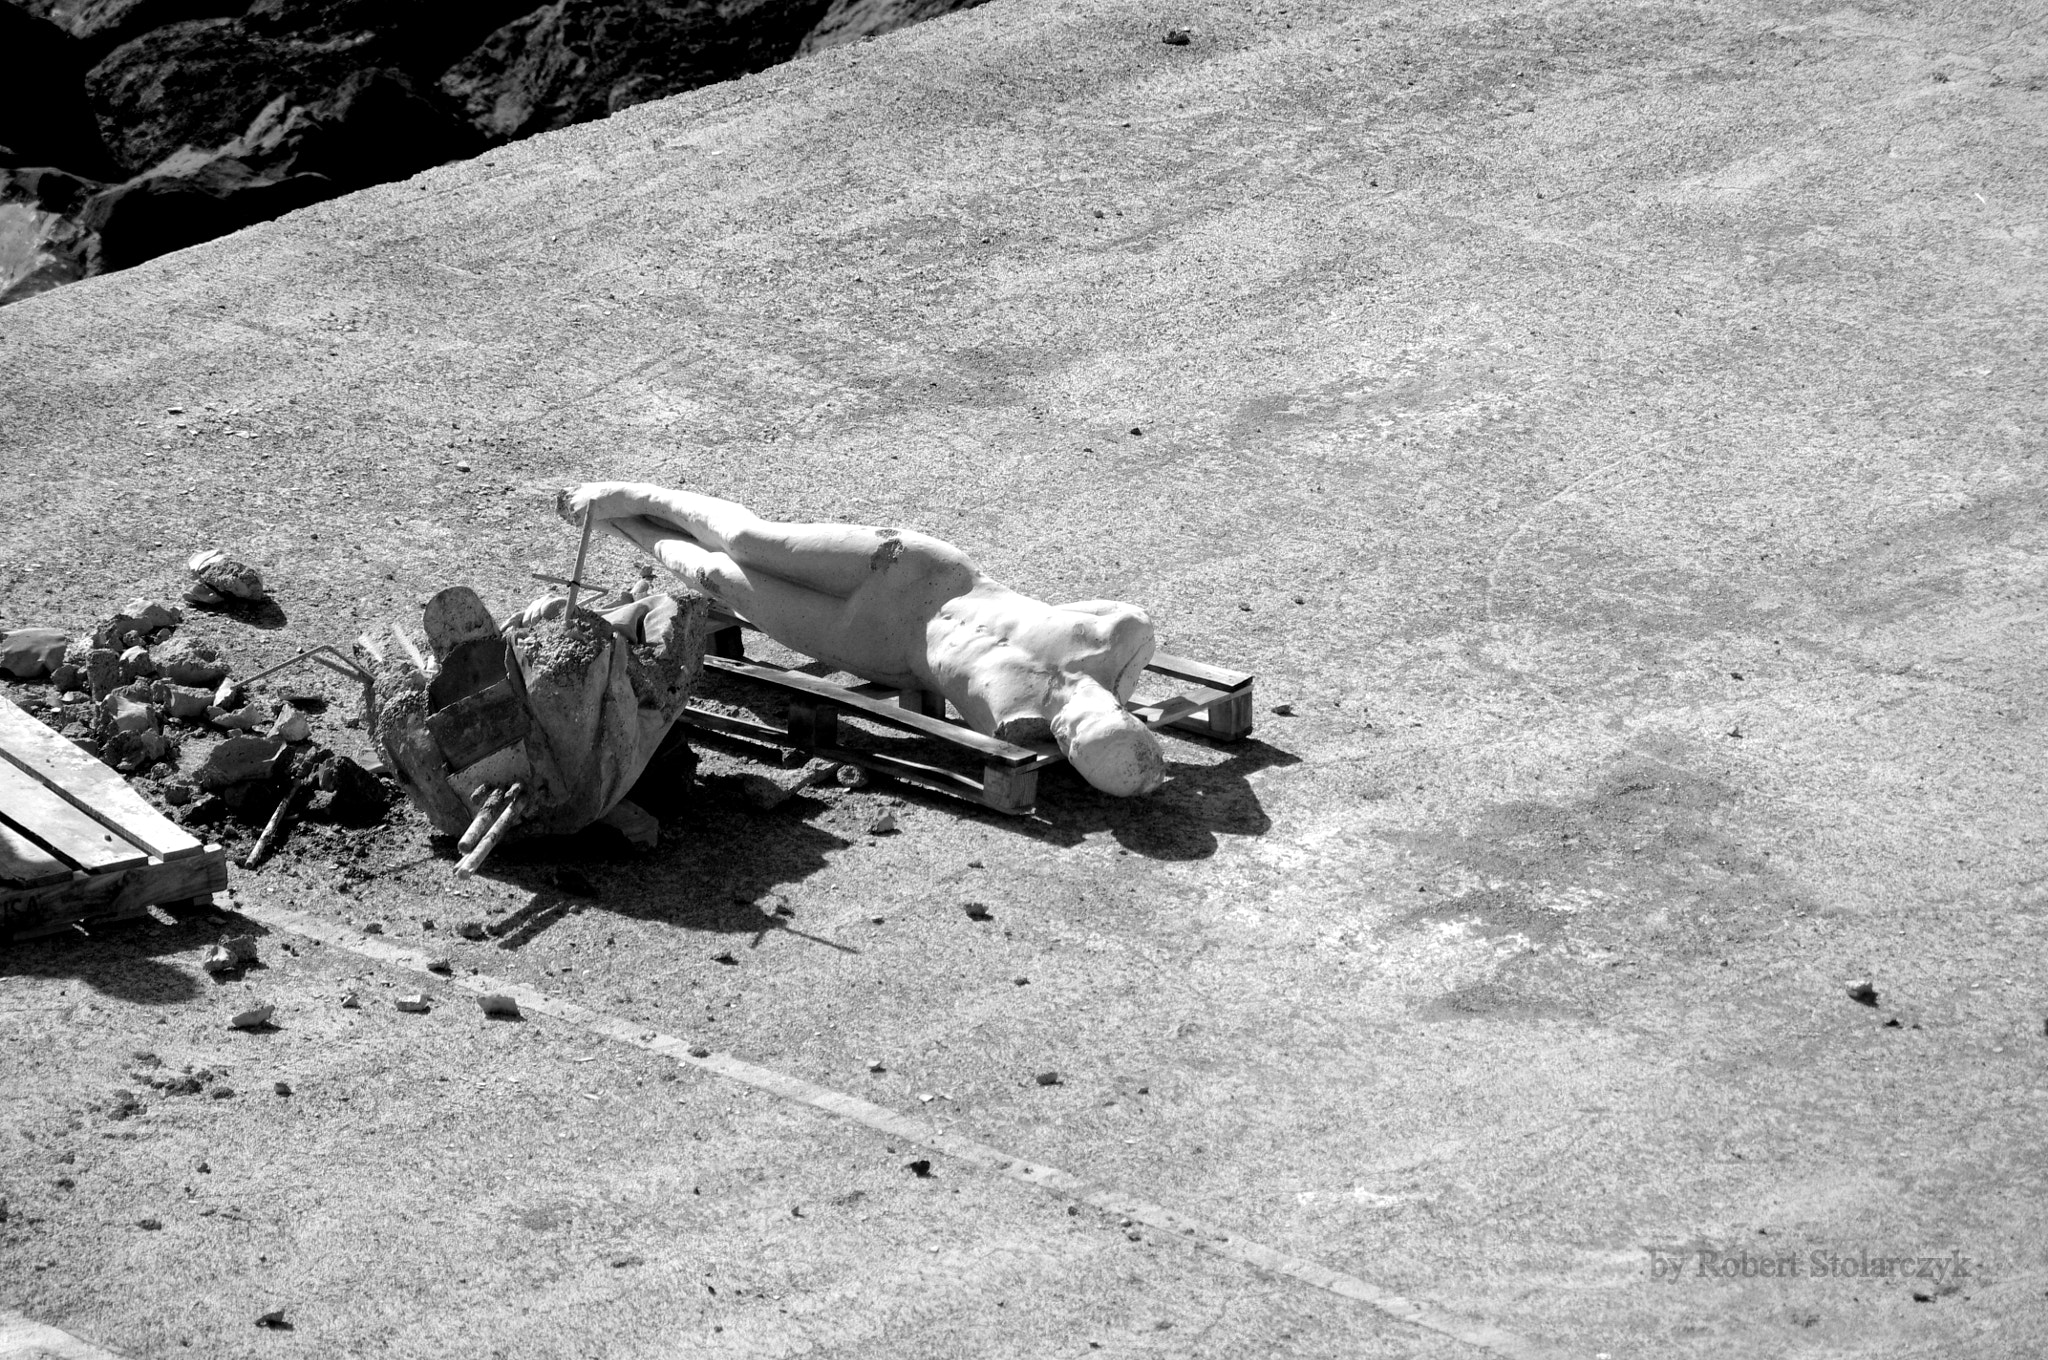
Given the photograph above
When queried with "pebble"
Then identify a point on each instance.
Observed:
(977, 912)
(254, 1018)
(1283, 710)
(877, 1066)
(443, 966)
(291, 726)
(497, 1003)
(1862, 992)
(1177, 37)
(884, 824)
(238, 951)
(1047, 1078)
(700, 1052)
(351, 1001)
(283, 1088)
(416, 1004)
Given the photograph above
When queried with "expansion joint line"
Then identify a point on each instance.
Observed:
(1208, 1236)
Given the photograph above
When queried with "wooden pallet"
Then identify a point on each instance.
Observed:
(77, 845)
(1220, 707)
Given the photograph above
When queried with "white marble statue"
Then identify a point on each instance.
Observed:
(908, 611)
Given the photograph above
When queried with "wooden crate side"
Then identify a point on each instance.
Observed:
(85, 898)
(30, 806)
(89, 785)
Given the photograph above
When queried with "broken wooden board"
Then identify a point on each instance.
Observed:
(78, 845)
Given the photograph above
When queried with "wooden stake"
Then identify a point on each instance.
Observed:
(486, 813)
(273, 830)
(507, 819)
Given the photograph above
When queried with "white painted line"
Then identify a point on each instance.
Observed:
(26, 1339)
(1207, 1235)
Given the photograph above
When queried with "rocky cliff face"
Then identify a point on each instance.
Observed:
(129, 128)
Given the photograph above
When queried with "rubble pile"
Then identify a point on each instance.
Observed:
(135, 689)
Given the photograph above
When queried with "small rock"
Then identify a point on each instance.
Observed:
(254, 1018)
(125, 713)
(416, 1004)
(1047, 1078)
(222, 1093)
(204, 595)
(351, 1001)
(274, 1320)
(498, 1004)
(181, 702)
(443, 966)
(877, 1066)
(291, 726)
(240, 760)
(238, 951)
(1177, 37)
(228, 695)
(726, 959)
(921, 1168)
(32, 653)
(150, 1224)
(471, 930)
(883, 825)
(177, 793)
(374, 928)
(188, 661)
(700, 1052)
(136, 662)
(1863, 992)
(976, 911)
(226, 575)
(1283, 710)
(283, 1088)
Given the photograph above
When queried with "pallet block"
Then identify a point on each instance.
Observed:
(77, 845)
(1220, 708)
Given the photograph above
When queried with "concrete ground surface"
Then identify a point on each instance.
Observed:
(1615, 431)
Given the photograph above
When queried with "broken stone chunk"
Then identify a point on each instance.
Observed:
(254, 1018)
(237, 951)
(203, 595)
(125, 713)
(32, 653)
(884, 824)
(241, 760)
(291, 725)
(1863, 992)
(228, 696)
(1047, 1078)
(181, 701)
(257, 714)
(498, 1004)
(416, 1004)
(103, 671)
(189, 661)
(223, 573)
(178, 793)
(351, 1001)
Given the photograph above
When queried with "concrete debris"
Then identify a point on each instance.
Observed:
(252, 716)
(498, 1005)
(443, 966)
(32, 653)
(181, 701)
(415, 1004)
(1047, 1078)
(237, 951)
(241, 760)
(124, 713)
(883, 825)
(291, 726)
(351, 1001)
(190, 661)
(136, 663)
(224, 574)
(254, 1018)
(1863, 992)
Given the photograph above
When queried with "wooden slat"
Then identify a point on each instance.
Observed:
(1180, 668)
(89, 785)
(31, 806)
(24, 864)
(889, 715)
(111, 896)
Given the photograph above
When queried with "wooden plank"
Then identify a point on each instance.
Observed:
(31, 806)
(88, 785)
(470, 729)
(111, 896)
(735, 727)
(24, 864)
(991, 748)
(1228, 719)
(1215, 677)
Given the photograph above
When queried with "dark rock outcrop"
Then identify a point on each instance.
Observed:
(42, 245)
(99, 26)
(44, 117)
(847, 21)
(575, 60)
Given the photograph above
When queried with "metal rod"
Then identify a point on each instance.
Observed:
(582, 551)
